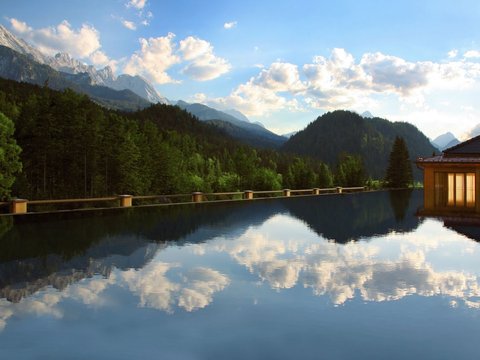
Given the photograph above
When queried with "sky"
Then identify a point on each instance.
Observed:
(283, 63)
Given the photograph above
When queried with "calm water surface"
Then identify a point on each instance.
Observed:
(332, 277)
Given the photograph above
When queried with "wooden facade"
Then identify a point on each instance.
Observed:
(451, 181)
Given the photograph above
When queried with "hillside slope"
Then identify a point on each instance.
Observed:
(343, 131)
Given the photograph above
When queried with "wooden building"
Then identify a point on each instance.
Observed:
(450, 180)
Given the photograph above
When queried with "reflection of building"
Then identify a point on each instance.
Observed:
(450, 179)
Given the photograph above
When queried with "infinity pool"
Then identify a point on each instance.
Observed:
(355, 276)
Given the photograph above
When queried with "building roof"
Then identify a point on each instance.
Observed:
(467, 152)
(469, 148)
(450, 159)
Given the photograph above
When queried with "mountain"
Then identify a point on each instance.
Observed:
(445, 141)
(139, 86)
(367, 114)
(9, 40)
(451, 144)
(344, 131)
(19, 67)
(249, 133)
(237, 114)
(63, 62)
(289, 135)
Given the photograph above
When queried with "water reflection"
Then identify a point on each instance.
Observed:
(181, 258)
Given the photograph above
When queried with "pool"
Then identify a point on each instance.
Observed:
(354, 276)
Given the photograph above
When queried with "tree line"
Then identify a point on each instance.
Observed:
(68, 146)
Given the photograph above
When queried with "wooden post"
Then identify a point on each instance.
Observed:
(316, 191)
(18, 206)
(125, 200)
(286, 192)
(197, 196)
(339, 189)
(248, 195)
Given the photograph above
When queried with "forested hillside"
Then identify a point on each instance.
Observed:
(73, 147)
(371, 139)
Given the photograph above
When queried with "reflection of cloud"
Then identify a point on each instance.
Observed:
(157, 291)
(151, 284)
(200, 285)
(391, 268)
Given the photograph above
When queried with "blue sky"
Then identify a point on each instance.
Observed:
(282, 63)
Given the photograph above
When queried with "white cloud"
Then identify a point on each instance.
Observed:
(280, 77)
(157, 55)
(154, 58)
(472, 54)
(100, 59)
(452, 53)
(20, 27)
(129, 24)
(340, 81)
(137, 4)
(230, 25)
(193, 48)
(80, 43)
(204, 64)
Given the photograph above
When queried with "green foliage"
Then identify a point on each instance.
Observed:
(371, 139)
(350, 171)
(72, 147)
(399, 171)
(10, 164)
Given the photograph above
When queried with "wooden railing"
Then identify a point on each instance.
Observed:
(21, 206)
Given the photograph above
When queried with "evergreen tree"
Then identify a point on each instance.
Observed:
(9, 156)
(399, 171)
(350, 171)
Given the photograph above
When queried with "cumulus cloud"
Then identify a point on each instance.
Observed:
(260, 95)
(157, 55)
(154, 58)
(452, 53)
(230, 25)
(204, 64)
(80, 43)
(341, 81)
(129, 24)
(137, 4)
(472, 54)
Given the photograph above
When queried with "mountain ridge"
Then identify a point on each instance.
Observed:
(342, 131)
(65, 63)
(250, 133)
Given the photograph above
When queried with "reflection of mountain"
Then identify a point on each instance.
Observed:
(345, 218)
(60, 249)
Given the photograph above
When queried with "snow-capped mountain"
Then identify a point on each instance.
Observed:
(9, 40)
(65, 63)
(138, 85)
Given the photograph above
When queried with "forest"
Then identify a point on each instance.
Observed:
(72, 147)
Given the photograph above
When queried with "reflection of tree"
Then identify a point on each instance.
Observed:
(57, 249)
(400, 199)
(345, 218)
(6, 223)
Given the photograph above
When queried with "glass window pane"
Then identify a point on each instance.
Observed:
(459, 189)
(441, 189)
(451, 189)
(470, 189)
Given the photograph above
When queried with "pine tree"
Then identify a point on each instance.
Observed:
(399, 170)
(9, 156)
